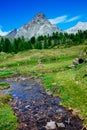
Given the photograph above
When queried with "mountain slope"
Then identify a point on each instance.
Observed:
(12, 33)
(38, 26)
(79, 26)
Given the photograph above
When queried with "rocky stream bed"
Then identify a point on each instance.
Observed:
(38, 110)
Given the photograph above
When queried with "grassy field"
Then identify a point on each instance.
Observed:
(7, 118)
(3, 85)
(52, 67)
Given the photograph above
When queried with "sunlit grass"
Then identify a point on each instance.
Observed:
(6, 72)
(4, 85)
(69, 84)
(72, 88)
(32, 56)
(7, 118)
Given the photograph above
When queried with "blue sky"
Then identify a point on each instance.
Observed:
(63, 13)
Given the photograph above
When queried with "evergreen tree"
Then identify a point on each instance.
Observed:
(29, 45)
(45, 45)
(20, 44)
(32, 40)
(2, 42)
(7, 45)
(49, 42)
(38, 45)
(15, 46)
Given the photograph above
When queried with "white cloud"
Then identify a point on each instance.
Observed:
(1, 32)
(73, 19)
(58, 19)
(64, 19)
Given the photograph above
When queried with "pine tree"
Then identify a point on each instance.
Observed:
(15, 46)
(7, 45)
(2, 42)
(38, 45)
(32, 40)
(45, 45)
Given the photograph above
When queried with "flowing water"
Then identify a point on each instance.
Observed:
(36, 108)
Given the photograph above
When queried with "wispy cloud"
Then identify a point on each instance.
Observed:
(72, 19)
(58, 19)
(1, 32)
(64, 19)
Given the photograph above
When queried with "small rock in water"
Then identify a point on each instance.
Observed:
(10, 90)
(27, 106)
(60, 125)
(41, 122)
(28, 88)
(14, 95)
(23, 78)
(48, 92)
(55, 101)
(50, 125)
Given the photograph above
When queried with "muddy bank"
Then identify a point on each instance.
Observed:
(36, 110)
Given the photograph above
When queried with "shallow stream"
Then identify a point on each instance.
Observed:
(36, 108)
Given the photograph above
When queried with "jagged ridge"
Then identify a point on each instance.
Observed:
(38, 26)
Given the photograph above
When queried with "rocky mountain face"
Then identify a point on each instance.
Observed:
(79, 26)
(38, 26)
(12, 33)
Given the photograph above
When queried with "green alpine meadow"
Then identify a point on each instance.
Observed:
(53, 68)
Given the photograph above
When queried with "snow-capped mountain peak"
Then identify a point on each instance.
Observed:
(79, 26)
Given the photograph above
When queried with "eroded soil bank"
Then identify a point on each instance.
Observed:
(38, 110)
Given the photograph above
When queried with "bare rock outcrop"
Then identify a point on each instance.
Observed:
(39, 25)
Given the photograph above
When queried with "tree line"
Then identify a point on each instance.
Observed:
(43, 42)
